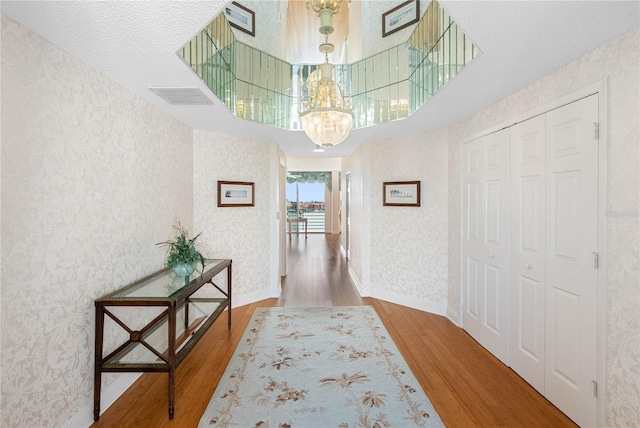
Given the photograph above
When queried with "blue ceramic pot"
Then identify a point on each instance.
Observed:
(184, 269)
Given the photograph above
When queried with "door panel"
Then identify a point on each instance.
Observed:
(529, 322)
(530, 198)
(571, 240)
(473, 286)
(472, 241)
(565, 350)
(492, 303)
(486, 243)
(493, 196)
(526, 343)
(564, 241)
(496, 180)
(474, 212)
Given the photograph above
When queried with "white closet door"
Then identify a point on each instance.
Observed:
(571, 243)
(495, 179)
(472, 247)
(527, 293)
(486, 242)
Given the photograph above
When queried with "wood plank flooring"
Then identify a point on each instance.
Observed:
(317, 274)
(466, 384)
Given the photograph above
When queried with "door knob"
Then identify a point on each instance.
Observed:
(527, 266)
(490, 255)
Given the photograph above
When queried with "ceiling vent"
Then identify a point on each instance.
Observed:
(182, 96)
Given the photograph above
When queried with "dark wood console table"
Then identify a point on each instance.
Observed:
(161, 344)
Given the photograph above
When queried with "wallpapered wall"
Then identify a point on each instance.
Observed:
(409, 244)
(399, 254)
(243, 234)
(618, 60)
(92, 178)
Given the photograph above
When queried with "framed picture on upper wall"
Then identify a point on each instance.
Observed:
(240, 17)
(236, 194)
(401, 194)
(400, 17)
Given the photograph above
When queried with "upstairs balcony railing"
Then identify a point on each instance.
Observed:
(388, 86)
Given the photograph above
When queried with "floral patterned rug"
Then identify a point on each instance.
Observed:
(318, 367)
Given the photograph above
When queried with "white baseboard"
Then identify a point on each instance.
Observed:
(247, 299)
(410, 302)
(453, 316)
(109, 395)
(356, 282)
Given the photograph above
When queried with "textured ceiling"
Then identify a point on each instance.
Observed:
(135, 43)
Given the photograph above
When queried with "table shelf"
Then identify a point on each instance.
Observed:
(173, 296)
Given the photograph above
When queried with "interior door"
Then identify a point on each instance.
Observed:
(472, 247)
(486, 242)
(571, 245)
(527, 271)
(495, 304)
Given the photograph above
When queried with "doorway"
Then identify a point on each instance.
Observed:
(306, 200)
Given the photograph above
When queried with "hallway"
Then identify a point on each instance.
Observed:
(467, 385)
(317, 273)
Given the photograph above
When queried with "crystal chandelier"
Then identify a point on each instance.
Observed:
(327, 115)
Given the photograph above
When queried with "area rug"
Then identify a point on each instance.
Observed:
(318, 367)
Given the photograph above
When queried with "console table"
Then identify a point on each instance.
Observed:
(172, 297)
(297, 220)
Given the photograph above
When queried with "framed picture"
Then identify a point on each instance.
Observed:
(400, 17)
(240, 17)
(401, 193)
(235, 194)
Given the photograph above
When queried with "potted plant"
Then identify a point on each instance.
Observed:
(183, 254)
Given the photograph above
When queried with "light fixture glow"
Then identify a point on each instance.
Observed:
(328, 118)
(327, 113)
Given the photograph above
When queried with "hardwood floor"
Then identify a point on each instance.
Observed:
(317, 274)
(466, 384)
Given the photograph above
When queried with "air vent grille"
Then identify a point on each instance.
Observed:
(182, 96)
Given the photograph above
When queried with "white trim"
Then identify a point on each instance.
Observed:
(356, 282)
(454, 317)
(343, 251)
(247, 299)
(569, 98)
(276, 222)
(411, 302)
(460, 161)
(109, 395)
(603, 236)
